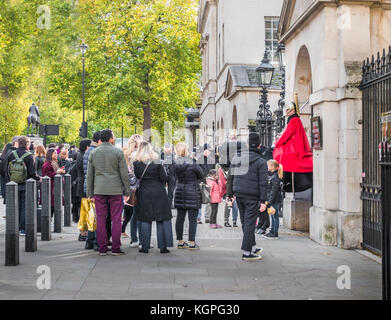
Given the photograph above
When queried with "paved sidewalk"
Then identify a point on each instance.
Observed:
(293, 267)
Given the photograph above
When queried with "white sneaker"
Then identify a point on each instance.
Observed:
(134, 244)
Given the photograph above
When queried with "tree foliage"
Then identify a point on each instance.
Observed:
(142, 64)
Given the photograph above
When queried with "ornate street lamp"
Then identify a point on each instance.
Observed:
(264, 120)
(281, 103)
(84, 129)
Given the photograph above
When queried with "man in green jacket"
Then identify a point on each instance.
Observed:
(107, 183)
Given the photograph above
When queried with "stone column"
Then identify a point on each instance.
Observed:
(58, 209)
(46, 213)
(31, 216)
(12, 225)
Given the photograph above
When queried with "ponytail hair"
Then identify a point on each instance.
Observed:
(277, 166)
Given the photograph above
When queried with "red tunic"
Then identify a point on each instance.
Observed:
(292, 150)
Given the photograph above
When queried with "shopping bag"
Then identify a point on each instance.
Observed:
(84, 208)
(91, 217)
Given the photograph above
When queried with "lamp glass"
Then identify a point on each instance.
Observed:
(83, 48)
(265, 72)
(281, 54)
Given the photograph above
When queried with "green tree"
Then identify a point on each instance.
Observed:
(142, 63)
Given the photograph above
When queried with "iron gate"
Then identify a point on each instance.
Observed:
(376, 90)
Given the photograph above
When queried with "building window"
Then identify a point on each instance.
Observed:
(271, 38)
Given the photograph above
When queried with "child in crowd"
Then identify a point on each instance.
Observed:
(273, 203)
(215, 198)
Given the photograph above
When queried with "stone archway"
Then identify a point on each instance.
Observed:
(297, 206)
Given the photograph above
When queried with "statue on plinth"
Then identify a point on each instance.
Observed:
(33, 119)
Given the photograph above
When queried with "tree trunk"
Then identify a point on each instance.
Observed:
(147, 124)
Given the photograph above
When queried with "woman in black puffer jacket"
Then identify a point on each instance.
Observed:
(187, 196)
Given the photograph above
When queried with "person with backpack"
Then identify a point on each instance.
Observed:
(20, 169)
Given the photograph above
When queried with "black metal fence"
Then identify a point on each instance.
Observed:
(376, 90)
(386, 218)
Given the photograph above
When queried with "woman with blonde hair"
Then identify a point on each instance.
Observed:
(187, 199)
(130, 152)
(152, 199)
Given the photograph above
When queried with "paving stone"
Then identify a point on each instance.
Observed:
(293, 267)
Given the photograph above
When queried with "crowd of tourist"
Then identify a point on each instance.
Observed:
(139, 186)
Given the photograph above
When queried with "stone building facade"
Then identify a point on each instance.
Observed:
(234, 37)
(326, 42)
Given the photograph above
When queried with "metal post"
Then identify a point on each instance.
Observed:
(46, 214)
(386, 221)
(12, 225)
(31, 216)
(67, 199)
(58, 209)
(84, 117)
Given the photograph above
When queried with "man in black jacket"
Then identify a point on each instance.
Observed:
(23, 146)
(250, 180)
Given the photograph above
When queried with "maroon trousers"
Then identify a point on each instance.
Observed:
(102, 204)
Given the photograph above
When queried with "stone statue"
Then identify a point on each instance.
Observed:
(33, 119)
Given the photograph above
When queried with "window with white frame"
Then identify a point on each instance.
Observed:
(271, 37)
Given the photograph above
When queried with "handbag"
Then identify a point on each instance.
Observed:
(134, 185)
(205, 193)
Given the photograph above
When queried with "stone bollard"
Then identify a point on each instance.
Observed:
(67, 200)
(31, 216)
(46, 213)
(58, 209)
(12, 225)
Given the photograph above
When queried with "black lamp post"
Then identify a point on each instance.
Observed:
(264, 120)
(281, 103)
(84, 129)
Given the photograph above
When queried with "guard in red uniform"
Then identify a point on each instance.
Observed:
(294, 153)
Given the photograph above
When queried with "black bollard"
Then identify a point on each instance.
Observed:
(67, 200)
(46, 213)
(12, 225)
(31, 216)
(58, 209)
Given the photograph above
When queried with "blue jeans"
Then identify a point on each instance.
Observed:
(135, 226)
(275, 219)
(235, 212)
(199, 214)
(164, 234)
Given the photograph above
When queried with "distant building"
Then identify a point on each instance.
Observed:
(234, 36)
